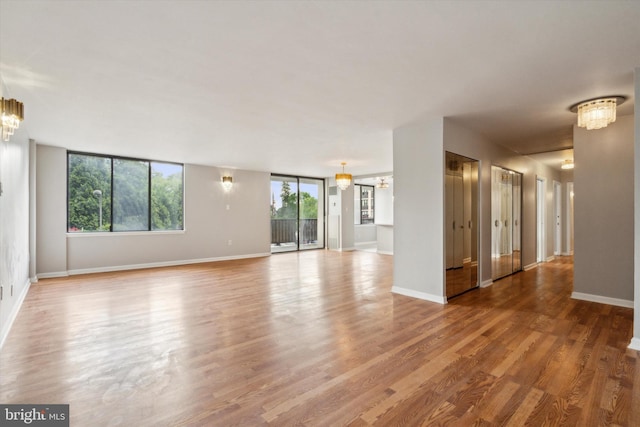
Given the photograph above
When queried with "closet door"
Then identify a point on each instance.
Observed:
(506, 213)
(517, 230)
(461, 234)
(458, 222)
(448, 220)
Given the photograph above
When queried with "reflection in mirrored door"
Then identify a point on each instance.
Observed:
(506, 218)
(461, 217)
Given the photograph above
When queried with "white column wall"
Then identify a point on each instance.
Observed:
(418, 174)
(604, 213)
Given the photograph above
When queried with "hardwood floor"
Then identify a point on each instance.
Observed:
(317, 338)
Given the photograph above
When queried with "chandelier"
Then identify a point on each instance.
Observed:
(597, 113)
(568, 164)
(12, 114)
(343, 180)
(382, 183)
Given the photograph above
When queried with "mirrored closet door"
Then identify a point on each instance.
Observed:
(461, 217)
(506, 219)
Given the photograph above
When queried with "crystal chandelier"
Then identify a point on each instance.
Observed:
(12, 114)
(597, 113)
(343, 180)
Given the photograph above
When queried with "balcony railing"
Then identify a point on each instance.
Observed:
(286, 230)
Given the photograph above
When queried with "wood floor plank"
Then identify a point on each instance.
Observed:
(317, 339)
(521, 415)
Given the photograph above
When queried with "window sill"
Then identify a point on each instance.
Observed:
(124, 233)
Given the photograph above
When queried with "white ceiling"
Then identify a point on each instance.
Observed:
(297, 87)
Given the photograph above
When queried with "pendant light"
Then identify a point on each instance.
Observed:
(343, 180)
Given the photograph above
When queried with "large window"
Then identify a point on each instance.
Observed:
(363, 203)
(118, 194)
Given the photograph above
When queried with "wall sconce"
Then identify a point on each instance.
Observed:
(227, 182)
(12, 113)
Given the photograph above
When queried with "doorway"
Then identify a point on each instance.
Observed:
(506, 220)
(297, 213)
(461, 218)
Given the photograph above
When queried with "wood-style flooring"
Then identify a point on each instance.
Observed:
(317, 338)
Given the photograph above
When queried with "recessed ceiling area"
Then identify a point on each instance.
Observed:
(298, 87)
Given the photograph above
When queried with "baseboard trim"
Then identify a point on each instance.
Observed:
(551, 258)
(385, 253)
(486, 283)
(147, 265)
(602, 300)
(635, 344)
(530, 266)
(53, 275)
(14, 313)
(373, 242)
(420, 295)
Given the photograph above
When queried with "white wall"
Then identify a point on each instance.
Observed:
(347, 227)
(364, 233)
(340, 218)
(384, 205)
(209, 225)
(51, 210)
(14, 225)
(418, 240)
(603, 186)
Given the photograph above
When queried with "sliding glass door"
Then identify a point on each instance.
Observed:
(297, 213)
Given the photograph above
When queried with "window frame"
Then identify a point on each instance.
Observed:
(368, 220)
(321, 215)
(149, 199)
